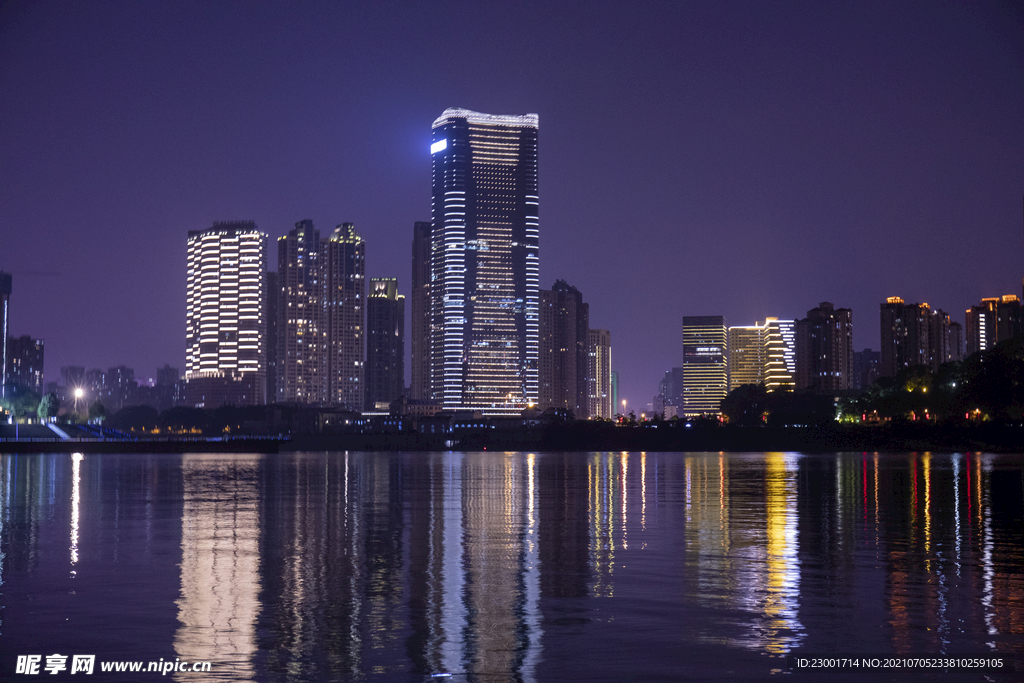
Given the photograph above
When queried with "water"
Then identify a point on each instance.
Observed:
(511, 566)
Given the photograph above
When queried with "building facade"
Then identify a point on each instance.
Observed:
(994, 320)
(419, 303)
(705, 364)
(779, 354)
(299, 353)
(747, 355)
(563, 357)
(599, 374)
(824, 349)
(385, 344)
(485, 288)
(225, 315)
(25, 363)
(343, 301)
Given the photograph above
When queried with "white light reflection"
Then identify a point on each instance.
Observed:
(531, 582)
(985, 502)
(76, 477)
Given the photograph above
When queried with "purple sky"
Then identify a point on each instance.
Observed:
(742, 159)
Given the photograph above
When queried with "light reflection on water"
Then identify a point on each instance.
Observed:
(514, 566)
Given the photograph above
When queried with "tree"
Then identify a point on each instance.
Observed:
(746, 404)
(134, 417)
(97, 412)
(49, 406)
(20, 401)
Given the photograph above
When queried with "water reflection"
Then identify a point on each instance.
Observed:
(514, 566)
(220, 559)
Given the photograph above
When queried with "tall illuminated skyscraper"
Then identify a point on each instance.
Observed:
(225, 315)
(599, 373)
(484, 291)
(705, 364)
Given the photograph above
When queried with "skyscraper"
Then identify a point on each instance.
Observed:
(385, 343)
(994, 320)
(904, 335)
(599, 373)
(225, 325)
(779, 354)
(705, 364)
(343, 301)
(824, 349)
(484, 293)
(747, 354)
(562, 362)
(419, 302)
(299, 350)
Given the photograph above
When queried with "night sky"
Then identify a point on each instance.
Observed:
(744, 159)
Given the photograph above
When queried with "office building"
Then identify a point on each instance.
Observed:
(385, 344)
(747, 355)
(599, 374)
(485, 289)
(705, 364)
(563, 357)
(824, 349)
(225, 316)
(779, 354)
(996, 319)
(25, 363)
(419, 303)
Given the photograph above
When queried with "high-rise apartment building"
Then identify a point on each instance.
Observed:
(25, 363)
(705, 364)
(904, 335)
(225, 324)
(299, 352)
(824, 349)
(484, 293)
(419, 303)
(321, 317)
(599, 374)
(994, 320)
(343, 264)
(865, 369)
(385, 344)
(563, 357)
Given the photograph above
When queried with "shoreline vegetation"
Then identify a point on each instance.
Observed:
(577, 436)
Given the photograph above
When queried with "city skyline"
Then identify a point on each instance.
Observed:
(742, 161)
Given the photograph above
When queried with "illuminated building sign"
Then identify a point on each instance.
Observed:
(438, 146)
